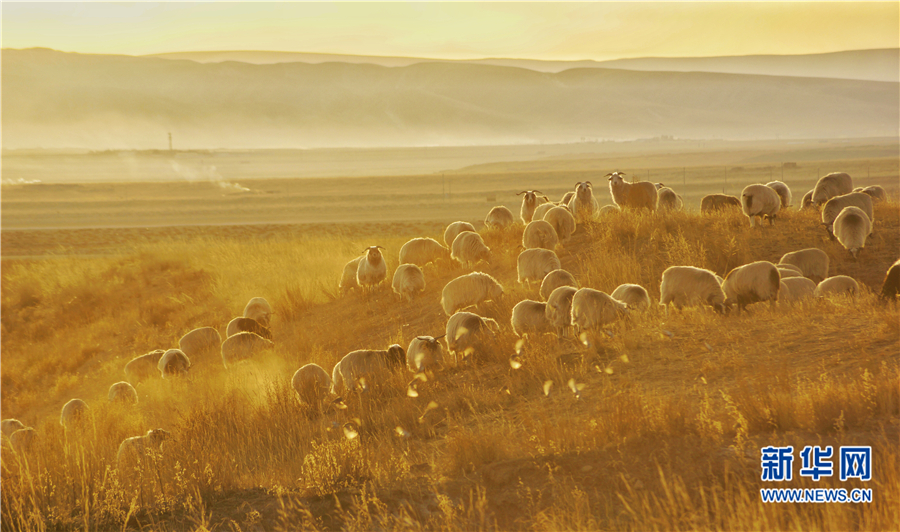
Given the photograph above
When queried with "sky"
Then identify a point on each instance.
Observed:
(457, 30)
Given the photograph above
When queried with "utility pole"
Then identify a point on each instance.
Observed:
(170, 141)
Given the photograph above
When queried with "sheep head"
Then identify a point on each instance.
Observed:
(158, 436)
(616, 178)
(373, 254)
(530, 196)
(584, 190)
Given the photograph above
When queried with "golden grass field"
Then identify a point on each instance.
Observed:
(666, 435)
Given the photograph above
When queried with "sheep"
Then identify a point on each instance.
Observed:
(813, 262)
(567, 197)
(786, 273)
(851, 227)
(831, 185)
(835, 205)
(539, 234)
(243, 346)
(529, 317)
(499, 217)
(890, 288)
(559, 308)
(839, 284)
(718, 202)
(8, 426)
(667, 199)
(751, 283)
(642, 195)
(876, 191)
(784, 266)
(372, 270)
(22, 440)
(562, 221)
(348, 276)
(798, 288)
(312, 384)
(173, 363)
(468, 290)
(143, 367)
(239, 325)
(421, 251)
(607, 210)
(468, 333)
(529, 202)
(554, 280)
(259, 310)
(687, 286)
(425, 355)
(592, 309)
(122, 392)
(73, 414)
(633, 295)
(583, 205)
(200, 341)
(469, 249)
(454, 229)
(408, 281)
(783, 191)
(542, 209)
(758, 202)
(368, 364)
(807, 201)
(137, 452)
(532, 265)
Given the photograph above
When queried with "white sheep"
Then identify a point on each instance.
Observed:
(137, 453)
(74, 414)
(122, 392)
(454, 229)
(667, 199)
(22, 440)
(890, 287)
(554, 280)
(259, 310)
(758, 202)
(541, 210)
(807, 201)
(718, 202)
(348, 276)
(530, 201)
(468, 249)
(371, 365)
(607, 210)
(688, 286)
(642, 195)
(592, 309)
(408, 281)
(751, 283)
(469, 333)
(839, 284)
(200, 342)
(875, 191)
(831, 185)
(792, 267)
(499, 217)
(851, 228)
(813, 262)
(532, 265)
(567, 197)
(633, 295)
(372, 270)
(783, 191)
(173, 363)
(539, 234)
(583, 205)
(8, 426)
(143, 367)
(530, 317)
(426, 354)
(559, 308)
(786, 273)
(835, 205)
(238, 325)
(468, 290)
(243, 346)
(312, 384)
(562, 221)
(798, 288)
(421, 251)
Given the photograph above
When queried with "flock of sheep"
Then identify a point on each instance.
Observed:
(847, 215)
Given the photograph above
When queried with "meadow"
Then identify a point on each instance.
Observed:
(666, 433)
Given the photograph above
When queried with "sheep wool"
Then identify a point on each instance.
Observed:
(633, 295)
(243, 346)
(718, 202)
(348, 277)
(73, 414)
(122, 392)
(890, 288)
(539, 234)
(200, 341)
(533, 264)
(468, 249)
(807, 201)
(559, 309)
(238, 325)
(499, 218)
(783, 191)
(468, 333)
(788, 272)
(799, 288)
(813, 262)
(312, 384)
(425, 354)
(554, 280)
(592, 309)
(259, 310)
(530, 201)
(22, 440)
(835, 205)
(372, 270)
(689, 286)
(758, 202)
(875, 191)
(368, 364)
(851, 228)
(408, 281)
(421, 251)
(562, 221)
(143, 367)
(837, 285)
(8, 426)
(583, 205)
(173, 363)
(831, 185)
(642, 195)
(751, 283)
(529, 317)
(668, 200)
(468, 290)
(541, 210)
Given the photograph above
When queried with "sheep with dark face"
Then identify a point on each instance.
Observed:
(372, 270)
(642, 195)
(499, 217)
(583, 206)
(370, 365)
(530, 201)
(421, 251)
(239, 325)
(259, 310)
(831, 185)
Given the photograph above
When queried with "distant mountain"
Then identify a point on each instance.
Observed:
(55, 99)
(872, 65)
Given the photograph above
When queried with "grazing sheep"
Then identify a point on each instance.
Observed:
(583, 206)
(368, 364)
(839, 284)
(751, 283)
(875, 191)
(243, 346)
(562, 221)
(22, 440)
(783, 266)
(786, 273)
(539, 234)
(73, 414)
(667, 199)
(173, 363)
(835, 205)
(592, 309)
(607, 210)
(567, 197)
(890, 288)
(468, 290)
(831, 185)
(372, 270)
(348, 277)
(798, 288)
(408, 281)
(688, 286)
(259, 310)
(718, 202)
(813, 262)
(758, 202)
(201, 341)
(554, 280)
(421, 251)
(559, 309)
(137, 453)
(533, 265)
(529, 317)
(641, 195)
(454, 229)
(312, 384)
(851, 228)
(499, 217)
(143, 367)
(239, 325)
(8, 426)
(529, 202)
(425, 354)
(468, 333)
(469, 249)
(783, 191)
(122, 392)
(807, 201)
(633, 295)
(541, 210)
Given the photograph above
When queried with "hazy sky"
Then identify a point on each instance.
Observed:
(457, 30)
